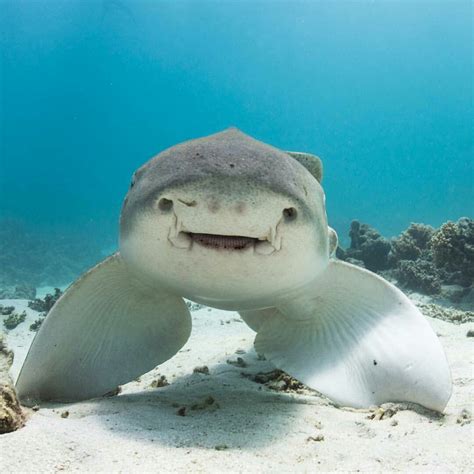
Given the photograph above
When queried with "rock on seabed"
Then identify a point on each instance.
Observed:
(11, 415)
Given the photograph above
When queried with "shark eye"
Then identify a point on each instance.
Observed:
(165, 204)
(289, 214)
(132, 181)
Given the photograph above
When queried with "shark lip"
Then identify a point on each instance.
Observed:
(227, 242)
(265, 244)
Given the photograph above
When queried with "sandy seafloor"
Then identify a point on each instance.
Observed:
(249, 427)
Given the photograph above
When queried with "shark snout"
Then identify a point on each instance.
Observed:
(213, 205)
(222, 223)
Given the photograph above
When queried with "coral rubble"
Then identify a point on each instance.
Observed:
(11, 415)
(450, 315)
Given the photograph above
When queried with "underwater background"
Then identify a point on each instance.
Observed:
(90, 90)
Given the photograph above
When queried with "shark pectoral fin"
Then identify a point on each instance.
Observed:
(255, 319)
(106, 330)
(358, 340)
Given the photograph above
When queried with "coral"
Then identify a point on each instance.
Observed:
(421, 258)
(340, 253)
(11, 416)
(368, 246)
(5, 310)
(418, 275)
(411, 243)
(37, 324)
(45, 304)
(14, 320)
(453, 251)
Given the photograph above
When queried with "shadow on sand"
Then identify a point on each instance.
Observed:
(217, 411)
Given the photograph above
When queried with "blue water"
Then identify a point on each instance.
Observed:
(382, 91)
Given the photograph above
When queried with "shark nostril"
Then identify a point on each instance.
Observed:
(165, 205)
(213, 206)
(289, 214)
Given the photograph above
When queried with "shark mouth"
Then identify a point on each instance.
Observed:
(233, 243)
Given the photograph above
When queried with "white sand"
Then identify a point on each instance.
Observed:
(257, 429)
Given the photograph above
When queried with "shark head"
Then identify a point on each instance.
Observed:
(225, 220)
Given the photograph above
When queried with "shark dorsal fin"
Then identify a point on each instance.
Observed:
(311, 162)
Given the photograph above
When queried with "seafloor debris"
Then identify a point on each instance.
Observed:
(113, 393)
(221, 447)
(203, 369)
(14, 319)
(451, 315)
(277, 380)
(465, 417)
(159, 382)
(11, 415)
(45, 304)
(239, 362)
(384, 411)
(209, 403)
(194, 306)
